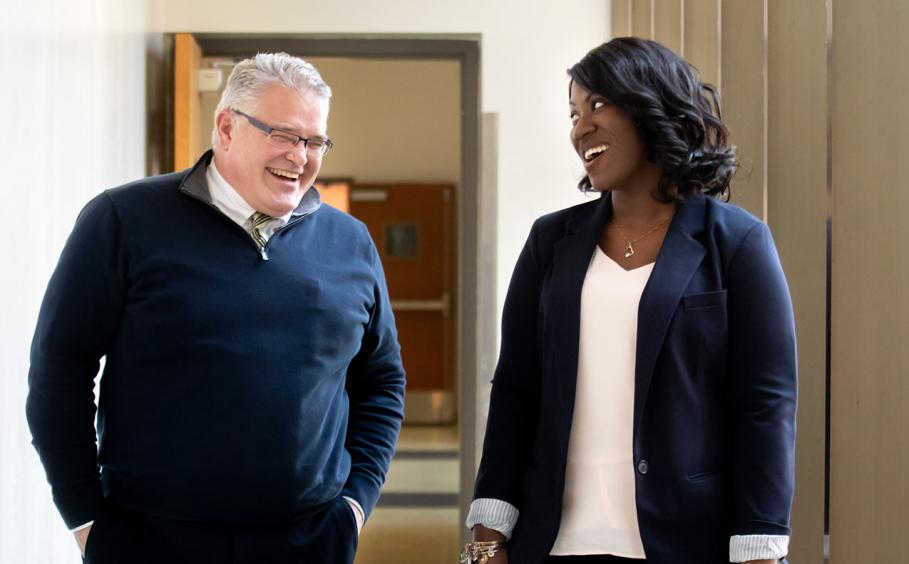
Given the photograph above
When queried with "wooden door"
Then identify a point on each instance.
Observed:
(187, 61)
(412, 227)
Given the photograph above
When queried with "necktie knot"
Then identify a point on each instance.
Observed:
(258, 221)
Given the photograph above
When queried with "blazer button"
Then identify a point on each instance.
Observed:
(643, 467)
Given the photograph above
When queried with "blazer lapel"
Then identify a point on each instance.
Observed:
(678, 260)
(570, 261)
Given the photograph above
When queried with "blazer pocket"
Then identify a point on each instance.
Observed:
(707, 299)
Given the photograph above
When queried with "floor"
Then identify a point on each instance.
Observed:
(416, 520)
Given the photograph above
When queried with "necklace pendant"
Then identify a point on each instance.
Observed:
(629, 251)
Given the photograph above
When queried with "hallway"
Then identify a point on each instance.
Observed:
(416, 520)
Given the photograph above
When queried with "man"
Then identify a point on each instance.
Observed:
(252, 391)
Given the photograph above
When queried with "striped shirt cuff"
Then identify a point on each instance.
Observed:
(743, 548)
(494, 514)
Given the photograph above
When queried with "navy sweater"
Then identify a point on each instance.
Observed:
(235, 389)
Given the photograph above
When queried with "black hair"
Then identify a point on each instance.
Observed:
(676, 115)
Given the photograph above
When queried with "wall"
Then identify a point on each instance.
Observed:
(869, 440)
(74, 118)
(813, 93)
(390, 120)
(526, 48)
(772, 77)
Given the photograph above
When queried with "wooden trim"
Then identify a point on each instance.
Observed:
(621, 18)
(187, 61)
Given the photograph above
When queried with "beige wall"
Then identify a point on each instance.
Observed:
(390, 120)
(394, 120)
(526, 46)
(796, 210)
(869, 489)
(813, 92)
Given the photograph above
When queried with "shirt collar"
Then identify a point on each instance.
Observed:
(228, 200)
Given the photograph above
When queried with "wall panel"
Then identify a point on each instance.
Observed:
(743, 89)
(701, 28)
(642, 18)
(621, 18)
(797, 212)
(869, 489)
(667, 23)
(774, 77)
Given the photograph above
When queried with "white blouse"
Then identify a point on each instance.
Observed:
(599, 515)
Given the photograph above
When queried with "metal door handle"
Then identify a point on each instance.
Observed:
(443, 305)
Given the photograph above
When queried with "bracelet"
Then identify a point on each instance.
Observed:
(480, 551)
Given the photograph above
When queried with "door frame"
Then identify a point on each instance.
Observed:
(474, 348)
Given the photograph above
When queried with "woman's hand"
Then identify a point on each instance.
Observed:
(485, 534)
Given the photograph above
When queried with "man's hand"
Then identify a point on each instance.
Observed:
(481, 533)
(82, 538)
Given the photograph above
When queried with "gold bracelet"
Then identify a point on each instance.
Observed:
(480, 551)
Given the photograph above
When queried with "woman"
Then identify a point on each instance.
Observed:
(643, 406)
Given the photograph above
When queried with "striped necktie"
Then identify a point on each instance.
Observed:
(258, 221)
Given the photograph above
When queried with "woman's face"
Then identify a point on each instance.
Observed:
(606, 140)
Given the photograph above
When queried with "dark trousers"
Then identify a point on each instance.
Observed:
(122, 536)
(592, 559)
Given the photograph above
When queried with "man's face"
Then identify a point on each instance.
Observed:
(272, 179)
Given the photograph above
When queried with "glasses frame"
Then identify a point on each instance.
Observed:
(268, 130)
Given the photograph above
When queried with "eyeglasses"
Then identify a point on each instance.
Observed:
(286, 139)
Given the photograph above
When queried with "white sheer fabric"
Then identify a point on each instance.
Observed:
(74, 105)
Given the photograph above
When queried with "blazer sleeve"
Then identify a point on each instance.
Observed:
(763, 371)
(514, 400)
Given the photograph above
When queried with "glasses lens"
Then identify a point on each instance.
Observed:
(315, 146)
(283, 139)
(318, 146)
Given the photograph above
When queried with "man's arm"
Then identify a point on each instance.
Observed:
(375, 387)
(77, 322)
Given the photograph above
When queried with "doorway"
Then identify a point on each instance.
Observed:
(432, 472)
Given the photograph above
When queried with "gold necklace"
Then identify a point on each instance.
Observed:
(629, 243)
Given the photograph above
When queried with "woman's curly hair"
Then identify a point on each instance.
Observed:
(676, 115)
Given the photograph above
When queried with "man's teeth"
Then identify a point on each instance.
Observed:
(593, 151)
(284, 173)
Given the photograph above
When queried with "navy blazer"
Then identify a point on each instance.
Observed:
(715, 384)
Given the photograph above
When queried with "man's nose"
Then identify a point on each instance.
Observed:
(297, 154)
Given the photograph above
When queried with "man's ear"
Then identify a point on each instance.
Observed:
(225, 124)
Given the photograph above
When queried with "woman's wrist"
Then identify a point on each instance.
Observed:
(482, 533)
(486, 544)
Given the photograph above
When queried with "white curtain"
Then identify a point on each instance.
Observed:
(72, 123)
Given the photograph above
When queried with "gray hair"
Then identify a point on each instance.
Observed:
(250, 77)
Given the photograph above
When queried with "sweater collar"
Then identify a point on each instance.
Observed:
(195, 183)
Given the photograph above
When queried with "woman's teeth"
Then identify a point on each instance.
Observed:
(592, 152)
